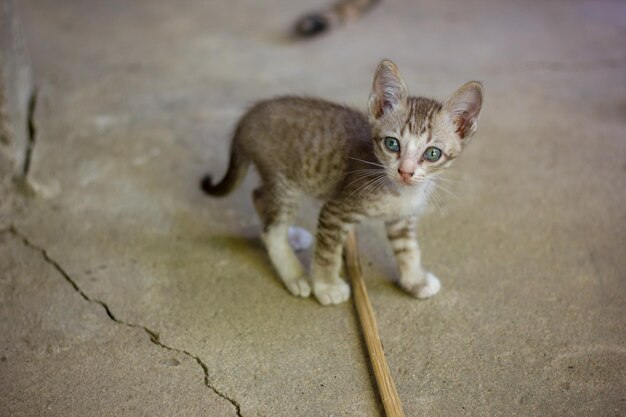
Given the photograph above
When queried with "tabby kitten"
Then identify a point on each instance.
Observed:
(382, 164)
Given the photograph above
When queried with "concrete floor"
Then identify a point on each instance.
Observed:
(124, 291)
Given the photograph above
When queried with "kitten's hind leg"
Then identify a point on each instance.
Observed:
(413, 279)
(276, 211)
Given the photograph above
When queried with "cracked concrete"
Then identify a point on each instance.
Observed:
(125, 291)
(61, 355)
(154, 337)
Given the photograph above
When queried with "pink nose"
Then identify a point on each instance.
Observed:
(405, 175)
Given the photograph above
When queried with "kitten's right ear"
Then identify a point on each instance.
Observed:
(388, 90)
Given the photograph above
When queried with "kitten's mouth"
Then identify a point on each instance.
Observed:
(404, 180)
(408, 182)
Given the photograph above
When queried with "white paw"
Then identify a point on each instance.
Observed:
(426, 288)
(331, 293)
(299, 238)
(430, 288)
(299, 287)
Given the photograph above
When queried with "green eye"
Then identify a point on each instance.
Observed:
(392, 144)
(432, 154)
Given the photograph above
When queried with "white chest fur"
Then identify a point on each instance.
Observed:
(410, 201)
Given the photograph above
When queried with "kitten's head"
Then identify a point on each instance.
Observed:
(415, 137)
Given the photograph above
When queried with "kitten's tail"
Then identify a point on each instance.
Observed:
(338, 13)
(237, 170)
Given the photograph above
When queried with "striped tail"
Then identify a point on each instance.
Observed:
(337, 14)
(237, 170)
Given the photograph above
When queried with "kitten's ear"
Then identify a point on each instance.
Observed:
(464, 108)
(388, 90)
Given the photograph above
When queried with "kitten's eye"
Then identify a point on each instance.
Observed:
(392, 144)
(432, 154)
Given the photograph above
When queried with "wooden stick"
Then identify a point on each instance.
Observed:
(386, 387)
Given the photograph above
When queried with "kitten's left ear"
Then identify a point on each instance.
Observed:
(464, 108)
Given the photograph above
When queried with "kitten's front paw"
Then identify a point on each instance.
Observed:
(331, 293)
(299, 287)
(425, 288)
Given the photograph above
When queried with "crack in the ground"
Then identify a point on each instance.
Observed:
(31, 128)
(154, 336)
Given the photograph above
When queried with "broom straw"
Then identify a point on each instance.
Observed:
(386, 386)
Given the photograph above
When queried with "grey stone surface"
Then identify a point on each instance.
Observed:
(137, 101)
(62, 355)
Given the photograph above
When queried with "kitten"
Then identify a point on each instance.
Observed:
(337, 14)
(381, 164)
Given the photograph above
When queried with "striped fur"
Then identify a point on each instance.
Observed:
(304, 146)
(402, 235)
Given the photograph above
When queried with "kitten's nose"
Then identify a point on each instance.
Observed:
(405, 175)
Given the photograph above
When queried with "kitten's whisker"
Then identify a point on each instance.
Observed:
(444, 204)
(365, 174)
(370, 185)
(367, 162)
(448, 180)
(439, 187)
(359, 187)
(361, 177)
(363, 170)
(433, 195)
(379, 186)
(357, 192)
(365, 185)
(440, 177)
(373, 187)
(440, 203)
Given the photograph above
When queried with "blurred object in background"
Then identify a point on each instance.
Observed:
(337, 14)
